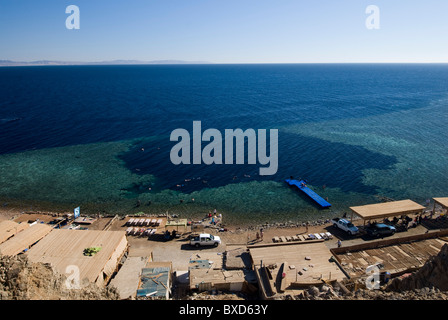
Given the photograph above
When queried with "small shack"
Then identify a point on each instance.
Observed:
(203, 279)
(387, 209)
(24, 240)
(206, 272)
(175, 224)
(156, 280)
(85, 220)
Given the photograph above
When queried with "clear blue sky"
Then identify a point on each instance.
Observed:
(225, 31)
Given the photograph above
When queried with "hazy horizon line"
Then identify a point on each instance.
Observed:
(43, 62)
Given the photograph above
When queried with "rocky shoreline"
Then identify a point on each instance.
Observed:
(289, 224)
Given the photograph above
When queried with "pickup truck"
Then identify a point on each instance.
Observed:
(205, 239)
(345, 225)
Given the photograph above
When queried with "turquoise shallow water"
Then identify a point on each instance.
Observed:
(101, 139)
(416, 138)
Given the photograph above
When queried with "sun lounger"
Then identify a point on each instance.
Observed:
(159, 222)
(288, 238)
(153, 222)
(323, 236)
(311, 236)
(295, 238)
(317, 236)
(275, 239)
(128, 230)
(147, 222)
(283, 239)
(130, 222)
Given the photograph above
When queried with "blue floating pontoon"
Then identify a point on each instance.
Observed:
(301, 184)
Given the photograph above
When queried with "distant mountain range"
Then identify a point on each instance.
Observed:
(9, 63)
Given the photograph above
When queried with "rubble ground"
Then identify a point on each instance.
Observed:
(21, 279)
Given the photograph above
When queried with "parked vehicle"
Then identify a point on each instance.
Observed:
(380, 230)
(345, 225)
(205, 239)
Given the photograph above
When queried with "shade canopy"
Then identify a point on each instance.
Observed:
(177, 223)
(387, 209)
(24, 239)
(442, 201)
(8, 228)
(64, 249)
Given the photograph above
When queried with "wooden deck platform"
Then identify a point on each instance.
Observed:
(396, 258)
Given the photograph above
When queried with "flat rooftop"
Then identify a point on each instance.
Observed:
(308, 261)
(24, 239)
(442, 201)
(9, 228)
(127, 279)
(64, 248)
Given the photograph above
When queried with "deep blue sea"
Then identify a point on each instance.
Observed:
(98, 137)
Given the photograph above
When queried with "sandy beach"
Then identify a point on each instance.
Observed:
(178, 251)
